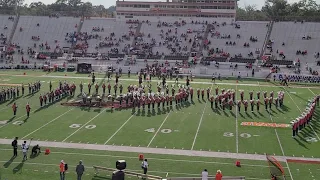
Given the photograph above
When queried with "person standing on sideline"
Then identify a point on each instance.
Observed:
(79, 170)
(28, 109)
(14, 109)
(145, 166)
(62, 170)
(219, 175)
(25, 148)
(15, 147)
(204, 174)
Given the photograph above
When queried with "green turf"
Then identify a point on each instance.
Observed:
(178, 128)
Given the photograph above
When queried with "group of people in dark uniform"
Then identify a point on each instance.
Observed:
(11, 93)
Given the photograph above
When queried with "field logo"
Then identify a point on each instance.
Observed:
(263, 124)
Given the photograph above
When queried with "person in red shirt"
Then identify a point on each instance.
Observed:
(28, 109)
(14, 109)
(41, 100)
(62, 170)
(103, 88)
(218, 175)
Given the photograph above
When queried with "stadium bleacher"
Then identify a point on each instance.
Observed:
(229, 40)
(44, 34)
(6, 24)
(289, 37)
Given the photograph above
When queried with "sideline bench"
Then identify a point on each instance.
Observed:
(209, 178)
(127, 172)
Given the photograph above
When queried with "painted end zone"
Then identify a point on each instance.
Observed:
(303, 161)
(263, 124)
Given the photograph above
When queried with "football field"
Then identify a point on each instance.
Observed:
(192, 126)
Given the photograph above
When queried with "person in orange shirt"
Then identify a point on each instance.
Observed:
(14, 109)
(62, 170)
(219, 175)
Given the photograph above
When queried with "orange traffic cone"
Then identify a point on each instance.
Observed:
(47, 151)
(141, 157)
(238, 163)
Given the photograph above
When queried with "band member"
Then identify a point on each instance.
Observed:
(115, 88)
(211, 100)
(167, 99)
(148, 102)
(245, 103)
(239, 105)
(252, 104)
(223, 104)
(258, 95)
(242, 95)
(271, 94)
(230, 104)
(251, 95)
(152, 101)
(81, 87)
(50, 86)
(202, 94)
(208, 93)
(173, 91)
(264, 94)
(22, 89)
(276, 102)
(266, 100)
(103, 88)
(216, 101)
(294, 125)
(120, 88)
(217, 90)
(28, 109)
(109, 88)
(14, 109)
(97, 88)
(170, 99)
(270, 103)
(159, 89)
(18, 91)
(41, 100)
(198, 93)
(258, 104)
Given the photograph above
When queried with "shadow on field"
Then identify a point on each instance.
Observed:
(48, 105)
(11, 119)
(18, 168)
(300, 143)
(8, 163)
(13, 100)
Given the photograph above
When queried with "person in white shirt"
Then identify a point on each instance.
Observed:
(205, 174)
(25, 148)
(145, 166)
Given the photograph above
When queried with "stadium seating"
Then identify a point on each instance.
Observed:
(108, 28)
(51, 31)
(239, 35)
(6, 24)
(171, 40)
(294, 36)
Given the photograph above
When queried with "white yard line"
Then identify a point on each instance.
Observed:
(195, 82)
(84, 125)
(237, 128)
(150, 158)
(47, 123)
(311, 91)
(119, 129)
(165, 119)
(200, 122)
(282, 151)
(16, 119)
(301, 112)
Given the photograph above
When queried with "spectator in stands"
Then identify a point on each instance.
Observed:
(204, 174)
(218, 175)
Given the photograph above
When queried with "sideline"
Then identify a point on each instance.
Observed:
(210, 154)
